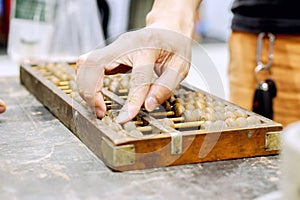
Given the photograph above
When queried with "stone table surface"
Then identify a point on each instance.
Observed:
(41, 159)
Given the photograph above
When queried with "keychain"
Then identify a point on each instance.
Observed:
(266, 89)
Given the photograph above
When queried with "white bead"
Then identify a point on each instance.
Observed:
(129, 126)
(219, 109)
(229, 114)
(240, 113)
(107, 120)
(230, 122)
(253, 120)
(188, 116)
(220, 116)
(241, 122)
(199, 114)
(189, 106)
(135, 133)
(199, 104)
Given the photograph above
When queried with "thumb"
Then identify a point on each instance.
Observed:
(156, 96)
(162, 89)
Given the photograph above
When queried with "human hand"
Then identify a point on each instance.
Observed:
(148, 50)
(2, 106)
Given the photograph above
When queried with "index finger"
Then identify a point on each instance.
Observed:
(141, 78)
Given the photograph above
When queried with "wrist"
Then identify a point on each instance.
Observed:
(174, 15)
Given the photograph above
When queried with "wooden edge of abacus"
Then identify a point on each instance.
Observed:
(215, 146)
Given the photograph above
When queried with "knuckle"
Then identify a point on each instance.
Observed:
(133, 99)
(138, 79)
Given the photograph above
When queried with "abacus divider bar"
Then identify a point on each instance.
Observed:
(177, 126)
(174, 119)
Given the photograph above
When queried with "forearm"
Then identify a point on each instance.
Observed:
(176, 15)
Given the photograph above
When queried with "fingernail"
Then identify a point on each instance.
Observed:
(151, 103)
(99, 113)
(122, 117)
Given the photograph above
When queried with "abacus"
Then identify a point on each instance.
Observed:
(192, 126)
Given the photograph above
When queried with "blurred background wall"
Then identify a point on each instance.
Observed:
(213, 20)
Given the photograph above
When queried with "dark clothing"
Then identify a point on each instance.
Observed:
(275, 16)
(104, 14)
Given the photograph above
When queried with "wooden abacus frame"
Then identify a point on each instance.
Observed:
(172, 147)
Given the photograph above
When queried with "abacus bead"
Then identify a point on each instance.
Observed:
(241, 122)
(209, 104)
(106, 82)
(114, 87)
(209, 98)
(112, 113)
(135, 133)
(199, 104)
(189, 96)
(199, 114)
(129, 126)
(209, 110)
(219, 103)
(240, 113)
(180, 100)
(181, 91)
(218, 125)
(207, 125)
(179, 109)
(54, 80)
(189, 106)
(220, 116)
(219, 109)
(172, 99)
(210, 117)
(116, 126)
(229, 114)
(230, 122)
(253, 120)
(167, 106)
(199, 94)
(64, 77)
(124, 83)
(188, 116)
(107, 120)
(229, 108)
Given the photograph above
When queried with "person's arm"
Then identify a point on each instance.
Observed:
(175, 15)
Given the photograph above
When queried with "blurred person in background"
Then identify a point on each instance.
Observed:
(279, 21)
